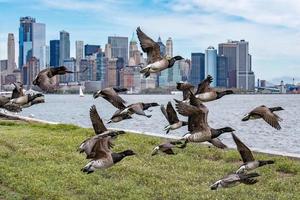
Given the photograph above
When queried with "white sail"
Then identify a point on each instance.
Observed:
(80, 92)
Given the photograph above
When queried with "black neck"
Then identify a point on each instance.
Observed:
(221, 94)
(117, 157)
(265, 162)
(217, 132)
(171, 62)
(184, 123)
(275, 109)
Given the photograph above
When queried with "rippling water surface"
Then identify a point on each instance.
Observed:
(227, 111)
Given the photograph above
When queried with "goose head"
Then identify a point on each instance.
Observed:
(216, 185)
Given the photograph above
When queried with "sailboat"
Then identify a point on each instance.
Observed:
(80, 92)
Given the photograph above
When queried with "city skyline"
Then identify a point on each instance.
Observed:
(273, 43)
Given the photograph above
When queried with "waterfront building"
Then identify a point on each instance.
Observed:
(119, 47)
(211, 64)
(70, 64)
(79, 54)
(91, 49)
(11, 62)
(197, 71)
(64, 46)
(222, 71)
(54, 53)
(101, 63)
(111, 76)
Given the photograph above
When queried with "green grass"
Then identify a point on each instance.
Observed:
(41, 162)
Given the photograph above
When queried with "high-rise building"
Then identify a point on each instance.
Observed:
(101, 62)
(91, 49)
(239, 64)
(107, 51)
(197, 71)
(162, 47)
(45, 59)
(79, 53)
(211, 64)
(64, 46)
(39, 42)
(222, 71)
(70, 64)
(134, 53)
(11, 62)
(119, 47)
(54, 53)
(111, 79)
(32, 68)
(169, 47)
(89, 66)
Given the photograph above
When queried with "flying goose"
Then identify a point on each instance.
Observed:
(117, 116)
(100, 131)
(235, 179)
(249, 162)
(166, 147)
(103, 157)
(205, 93)
(7, 105)
(171, 116)
(267, 114)
(46, 78)
(186, 88)
(111, 95)
(156, 62)
(17, 91)
(138, 108)
(199, 130)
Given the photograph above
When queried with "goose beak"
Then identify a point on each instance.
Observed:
(96, 95)
(155, 151)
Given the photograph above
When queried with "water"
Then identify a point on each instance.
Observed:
(227, 111)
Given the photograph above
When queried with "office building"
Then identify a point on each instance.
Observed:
(79, 53)
(70, 64)
(119, 47)
(91, 49)
(111, 76)
(54, 53)
(11, 62)
(222, 71)
(169, 47)
(197, 72)
(211, 64)
(64, 46)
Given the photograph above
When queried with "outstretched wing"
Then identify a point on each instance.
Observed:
(58, 71)
(218, 143)
(172, 115)
(102, 147)
(244, 151)
(204, 86)
(113, 97)
(268, 116)
(148, 46)
(96, 121)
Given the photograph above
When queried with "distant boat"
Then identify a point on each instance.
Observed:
(80, 92)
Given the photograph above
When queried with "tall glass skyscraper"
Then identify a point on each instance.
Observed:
(91, 49)
(39, 42)
(211, 64)
(119, 47)
(101, 62)
(197, 72)
(222, 71)
(64, 46)
(54, 53)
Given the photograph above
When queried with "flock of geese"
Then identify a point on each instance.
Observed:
(98, 148)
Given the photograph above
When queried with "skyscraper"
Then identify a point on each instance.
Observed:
(239, 64)
(25, 40)
(11, 62)
(169, 47)
(222, 71)
(45, 59)
(211, 64)
(107, 51)
(134, 53)
(119, 47)
(39, 42)
(197, 72)
(79, 53)
(64, 46)
(54, 53)
(101, 63)
(91, 49)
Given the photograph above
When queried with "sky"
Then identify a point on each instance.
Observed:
(272, 27)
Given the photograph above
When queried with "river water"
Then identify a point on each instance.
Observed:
(226, 111)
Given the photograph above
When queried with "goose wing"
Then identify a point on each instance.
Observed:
(172, 115)
(149, 46)
(204, 86)
(218, 143)
(137, 108)
(267, 115)
(97, 121)
(57, 71)
(113, 97)
(185, 88)
(244, 151)
(102, 147)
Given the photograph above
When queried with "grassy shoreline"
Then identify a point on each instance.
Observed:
(40, 162)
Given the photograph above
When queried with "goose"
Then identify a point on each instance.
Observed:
(199, 130)
(103, 157)
(117, 117)
(166, 147)
(100, 131)
(267, 114)
(205, 93)
(185, 88)
(249, 163)
(171, 116)
(235, 179)
(17, 91)
(28, 99)
(7, 105)
(156, 63)
(138, 108)
(46, 78)
(111, 95)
